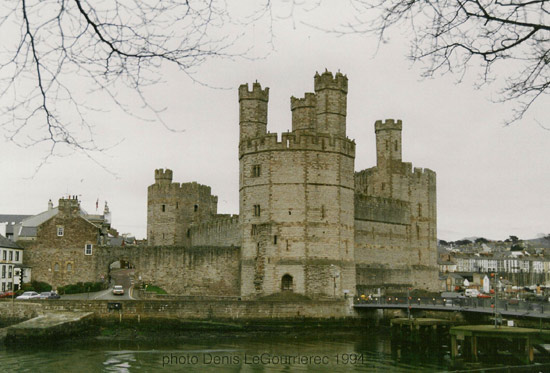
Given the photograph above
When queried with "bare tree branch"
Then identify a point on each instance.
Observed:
(63, 53)
(456, 35)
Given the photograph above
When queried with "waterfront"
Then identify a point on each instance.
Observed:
(362, 351)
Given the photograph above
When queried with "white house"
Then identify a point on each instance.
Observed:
(11, 262)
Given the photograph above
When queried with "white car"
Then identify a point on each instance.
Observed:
(29, 295)
(118, 290)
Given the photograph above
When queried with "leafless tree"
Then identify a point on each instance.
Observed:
(455, 35)
(57, 54)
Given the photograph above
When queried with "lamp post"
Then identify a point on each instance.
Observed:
(335, 274)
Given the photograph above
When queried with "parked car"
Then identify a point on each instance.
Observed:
(29, 295)
(483, 296)
(118, 290)
(7, 294)
(471, 293)
(49, 295)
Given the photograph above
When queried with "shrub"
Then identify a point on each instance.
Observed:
(80, 287)
(155, 289)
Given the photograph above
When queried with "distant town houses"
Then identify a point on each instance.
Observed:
(514, 262)
(11, 263)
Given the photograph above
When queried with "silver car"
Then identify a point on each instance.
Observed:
(29, 295)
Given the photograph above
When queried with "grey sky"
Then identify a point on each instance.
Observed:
(492, 181)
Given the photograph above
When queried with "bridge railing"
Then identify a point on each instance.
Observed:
(462, 302)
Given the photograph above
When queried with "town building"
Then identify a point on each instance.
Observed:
(11, 262)
(59, 242)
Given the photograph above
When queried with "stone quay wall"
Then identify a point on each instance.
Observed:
(187, 309)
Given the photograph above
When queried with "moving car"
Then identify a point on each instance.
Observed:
(118, 290)
(49, 295)
(29, 295)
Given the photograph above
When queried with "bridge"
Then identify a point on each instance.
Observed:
(504, 307)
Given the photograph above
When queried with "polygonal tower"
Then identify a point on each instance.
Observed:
(172, 208)
(297, 195)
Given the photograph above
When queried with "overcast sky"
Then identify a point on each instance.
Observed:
(492, 180)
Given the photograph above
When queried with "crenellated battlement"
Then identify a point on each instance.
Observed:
(388, 124)
(309, 101)
(164, 175)
(185, 188)
(328, 81)
(303, 141)
(257, 93)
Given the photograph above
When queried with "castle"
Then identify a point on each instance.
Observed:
(308, 223)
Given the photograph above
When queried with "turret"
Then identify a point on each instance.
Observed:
(163, 177)
(303, 113)
(253, 111)
(388, 142)
(331, 95)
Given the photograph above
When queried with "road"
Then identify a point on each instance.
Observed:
(124, 277)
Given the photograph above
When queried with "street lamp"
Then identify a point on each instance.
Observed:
(335, 274)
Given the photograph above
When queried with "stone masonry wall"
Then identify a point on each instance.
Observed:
(191, 310)
(222, 231)
(395, 219)
(186, 271)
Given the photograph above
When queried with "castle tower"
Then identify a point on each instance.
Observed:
(304, 115)
(388, 143)
(172, 208)
(331, 93)
(253, 111)
(296, 201)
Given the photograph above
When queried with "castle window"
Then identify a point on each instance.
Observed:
(163, 208)
(196, 208)
(275, 240)
(257, 210)
(88, 249)
(419, 209)
(256, 170)
(383, 186)
(69, 267)
(56, 267)
(322, 211)
(60, 232)
(177, 205)
(286, 283)
(189, 233)
(387, 145)
(286, 245)
(417, 232)
(254, 230)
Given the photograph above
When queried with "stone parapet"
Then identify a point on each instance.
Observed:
(292, 141)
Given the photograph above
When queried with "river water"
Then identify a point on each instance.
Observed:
(362, 351)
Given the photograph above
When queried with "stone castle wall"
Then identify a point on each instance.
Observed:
(395, 219)
(222, 231)
(178, 270)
